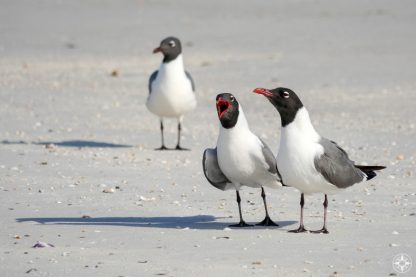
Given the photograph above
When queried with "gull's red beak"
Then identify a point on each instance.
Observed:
(157, 50)
(263, 91)
(222, 106)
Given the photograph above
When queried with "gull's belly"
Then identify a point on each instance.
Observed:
(171, 98)
(236, 165)
(296, 165)
(241, 163)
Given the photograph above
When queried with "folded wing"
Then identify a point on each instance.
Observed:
(336, 167)
(213, 171)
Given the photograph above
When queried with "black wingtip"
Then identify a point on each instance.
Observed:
(369, 170)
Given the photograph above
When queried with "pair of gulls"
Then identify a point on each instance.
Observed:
(305, 161)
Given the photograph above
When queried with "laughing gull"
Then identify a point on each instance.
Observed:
(306, 160)
(171, 88)
(240, 158)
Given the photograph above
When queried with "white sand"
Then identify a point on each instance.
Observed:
(352, 62)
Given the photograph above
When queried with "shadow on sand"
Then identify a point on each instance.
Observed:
(71, 143)
(174, 222)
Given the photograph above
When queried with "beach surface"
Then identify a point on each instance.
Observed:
(78, 169)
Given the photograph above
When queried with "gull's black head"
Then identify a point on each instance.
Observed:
(170, 48)
(284, 100)
(227, 108)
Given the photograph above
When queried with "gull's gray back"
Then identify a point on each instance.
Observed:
(188, 75)
(270, 159)
(151, 80)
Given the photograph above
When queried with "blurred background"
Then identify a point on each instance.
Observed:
(58, 58)
(76, 140)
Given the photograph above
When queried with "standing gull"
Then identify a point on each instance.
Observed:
(171, 88)
(240, 158)
(306, 160)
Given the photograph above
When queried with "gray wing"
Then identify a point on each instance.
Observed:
(213, 171)
(271, 161)
(336, 167)
(269, 157)
(151, 79)
(188, 75)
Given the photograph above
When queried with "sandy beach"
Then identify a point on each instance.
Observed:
(78, 169)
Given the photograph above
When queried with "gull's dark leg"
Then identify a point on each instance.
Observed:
(178, 146)
(242, 223)
(323, 230)
(163, 147)
(301, 228)
(266, 221)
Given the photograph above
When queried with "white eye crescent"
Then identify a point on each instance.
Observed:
(232, 98)
(172, 43)
(285, 94)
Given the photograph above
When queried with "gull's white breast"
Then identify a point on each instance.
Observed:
(241, 159)
(172, 94)
(299, 145)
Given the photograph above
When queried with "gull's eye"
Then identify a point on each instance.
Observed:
(285, 94)
(172, 43)
(232, 98)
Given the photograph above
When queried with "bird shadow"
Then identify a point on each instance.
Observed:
(71, 143)
(201, 222)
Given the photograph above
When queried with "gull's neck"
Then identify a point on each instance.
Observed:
(241, 127)
(173, 67)
(301, 126)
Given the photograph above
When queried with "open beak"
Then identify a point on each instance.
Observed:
(263, 91)
(222, 106)
(157, 50)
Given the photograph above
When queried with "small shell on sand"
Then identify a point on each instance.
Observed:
(41, 244)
